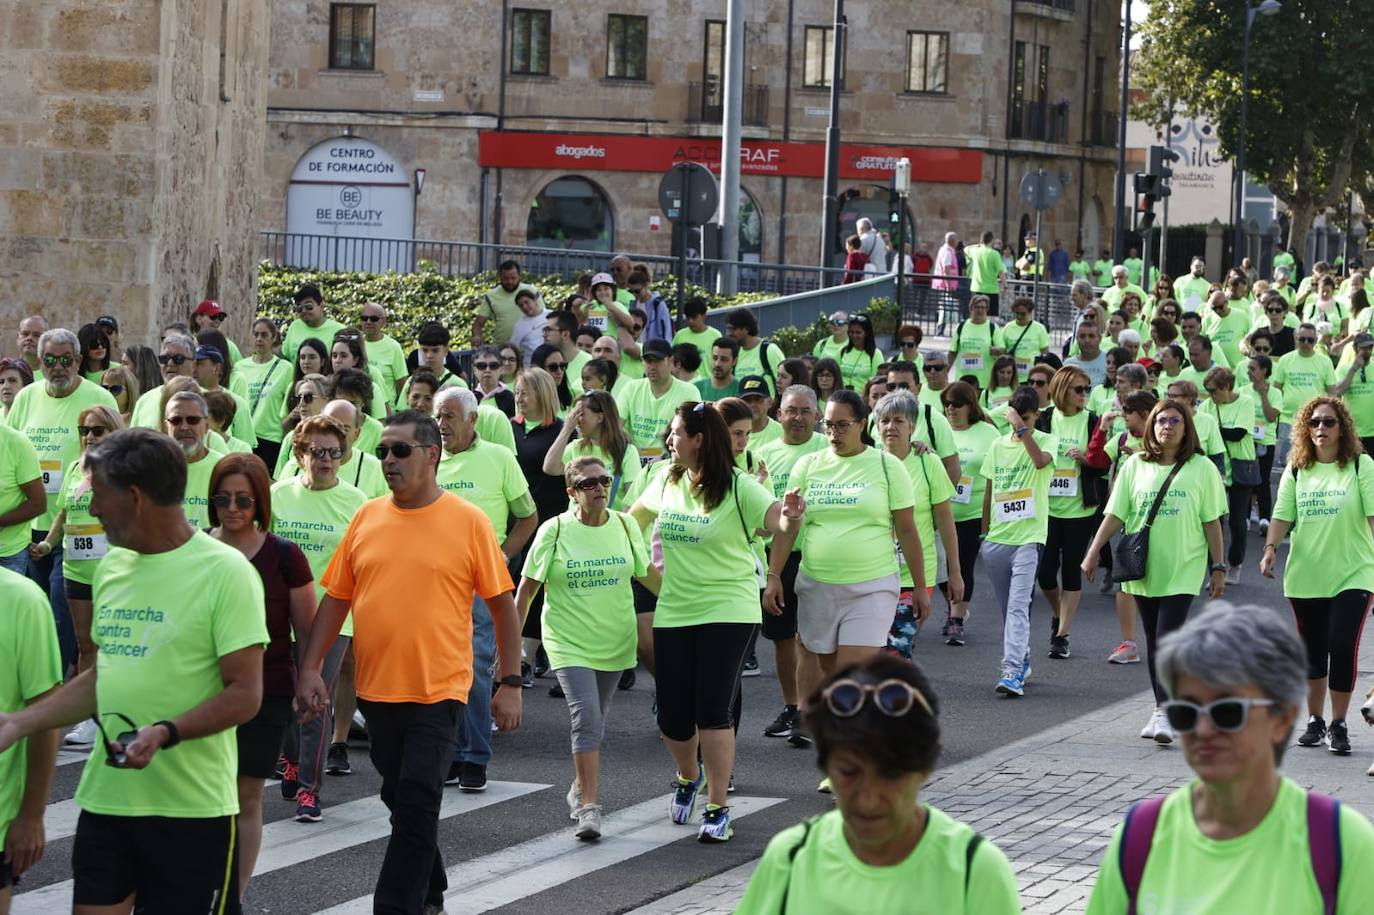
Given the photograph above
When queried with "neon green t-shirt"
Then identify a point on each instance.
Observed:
(824, 875)
(1020, 490)
(33, 665)
(494, 426)
(1332, 549)
(49, 423)
(1066, 486)
(1263, 431)
(1113, 295)
(930, 486)
(196, 501)
(1239, 413)
(994, 402)
(771, 432)
(848, 529)
(150, 636)
(488, 476)
(972, 444)
(1208, 432)
(984, 266)
(829, 347)
(779, 458)
(857, 366)
(702, 341)
(1228, 332)
(267, 385)
(1024, 343)
(84, 542)
(361, 471)
(18, 465)
(1268, 869)
(1119, 448)
(298, 332)
(1103, 268)
(369, 435)
(972, 347)
(589, 609)
(750, 362)
(388, 359)
(1178, 556)
(1359, 397)
(646, 417)
(315, 521)
(1191, 291)
(934, 431)
(720, 540)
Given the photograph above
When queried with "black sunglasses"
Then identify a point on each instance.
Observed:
(486, 366)
(115, 389)
(64, 360)
(175, 359)
(369, 319)
(83, 431)
(179, 421)
(222, 500)
(320, 454)
(935, 368)
(587, 484)
(117, 758)
(402, 450)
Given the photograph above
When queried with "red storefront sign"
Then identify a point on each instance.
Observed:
(622, 153)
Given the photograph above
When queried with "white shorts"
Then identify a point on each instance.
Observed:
(858, 614)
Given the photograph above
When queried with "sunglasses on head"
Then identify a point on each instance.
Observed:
(222, 500)
(587, 484)
(893, 698)
(1323, 422)
(1228, 715)
(402, 450)
(174, 359)
(64, 360)
(179, 421)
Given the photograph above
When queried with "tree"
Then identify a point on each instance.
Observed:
(1311, 102)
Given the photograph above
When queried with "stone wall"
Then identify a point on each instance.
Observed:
(131, 139)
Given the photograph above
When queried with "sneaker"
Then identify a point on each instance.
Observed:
(1233, 575)
(433, 909)
(1011, 686)
(574, 799)
(751, 667)
(541, 663)
(307, 807)
(1025, 669)
(83, 735)
(798, 738)
(715, 825)
(1164, 732)
(1148, 732)
(1059, 647)
(954, 632)
(588, 818)
(782, 725)
(730, 788)
(472, 778)
(1315, 733)
(455, 770)
(1337, 738)
(526, 675)
(627, 680)
(824, 786)
(336, 762)
(357, 728)
(289, 781)
(1264, 527)
(1108, 585)
(280, 770)
(684, 801)
(556, 691)
(1125, 653)
(1054, 627)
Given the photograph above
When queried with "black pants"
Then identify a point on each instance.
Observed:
(697, 669)
(269, 452)
(1237, 513)
(411, 744)
(1368, 444)
(1264, 492)
(1066, 543)
(1161, 616)
(967, 533)
(1330, 628)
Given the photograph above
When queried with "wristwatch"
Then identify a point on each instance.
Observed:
(512, 680)
(1217, 567)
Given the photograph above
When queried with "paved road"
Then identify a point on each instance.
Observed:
(511, 850)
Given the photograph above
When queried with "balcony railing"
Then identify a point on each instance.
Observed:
(705, 104)
(1062, 6)
(1103, 128)
(1042, 122)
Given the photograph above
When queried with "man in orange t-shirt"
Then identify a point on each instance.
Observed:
(409, 568)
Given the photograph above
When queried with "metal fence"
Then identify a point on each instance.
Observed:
(937, 310)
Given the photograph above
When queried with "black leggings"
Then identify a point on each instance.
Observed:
(1237, 514)
(1065, 545)
(967, 533)
(1330, 628)
(697, 670)
(1264, 492)
(1161, 615)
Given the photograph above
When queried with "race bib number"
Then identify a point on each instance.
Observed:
(1193, 302)
(1014, 506)
(597, 321)
(84, 541)
(650, 454)
(963, 490)
(52, 476)
(971, 362)
(1064, 482)
(1259, 432)
(1023, 367)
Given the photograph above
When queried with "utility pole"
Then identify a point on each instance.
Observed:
(727, 281)
(831, 213)
(1119, 235)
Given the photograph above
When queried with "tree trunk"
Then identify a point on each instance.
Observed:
(1299, 225)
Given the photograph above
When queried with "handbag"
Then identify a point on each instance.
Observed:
(1133, 550)
(1245, 473)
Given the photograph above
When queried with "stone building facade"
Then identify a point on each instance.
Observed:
(129, 130)
(552, 123)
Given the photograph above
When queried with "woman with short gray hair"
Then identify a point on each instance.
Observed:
(1232, 840)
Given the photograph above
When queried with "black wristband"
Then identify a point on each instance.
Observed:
(512, 680)
(173, 735)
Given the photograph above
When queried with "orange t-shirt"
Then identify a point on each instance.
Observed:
(410, 576)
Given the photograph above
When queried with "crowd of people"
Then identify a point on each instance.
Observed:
(328, 531)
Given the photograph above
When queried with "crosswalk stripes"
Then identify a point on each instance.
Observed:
(284, 842)
(514, 873)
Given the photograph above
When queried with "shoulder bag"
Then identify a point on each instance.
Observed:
(1133, 550)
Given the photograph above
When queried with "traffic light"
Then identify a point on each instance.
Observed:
(1161, 168)
(894, 208)
(1147, 192)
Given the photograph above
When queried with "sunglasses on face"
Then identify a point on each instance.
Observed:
(487, 366)
(179, 421)
(320, 454)
(218, 318)
(114, 389)
(1261, 350)
(1081, 389)
(555, 366)
(1275, 311)
(588, 484)
(835, 323)
(934, 368)
(176, 359)
(893, 698)
(908, 344)
(1037, 382)
(97, 431)
(1322, 422)
(304, 306)
(1307, 339)
(1227, 715)
(370, 319)
(222, 501)
(64, 361)
(402, 450)
(899, 385)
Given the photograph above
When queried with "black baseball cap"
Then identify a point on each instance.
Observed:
(107, 321)
(657, 348)
(754, 386)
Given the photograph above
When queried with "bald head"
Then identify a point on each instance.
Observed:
(606, 348)
(346, 414)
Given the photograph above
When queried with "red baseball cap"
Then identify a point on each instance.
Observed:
(208, 307)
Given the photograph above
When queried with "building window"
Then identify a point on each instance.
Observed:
(713, 69)
(571, 212)
(352, 28)
(820, 57)
(927, 62)
(1018, 87)
(627, 43)
(529, 42)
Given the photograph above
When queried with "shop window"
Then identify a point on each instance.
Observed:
(571, 212)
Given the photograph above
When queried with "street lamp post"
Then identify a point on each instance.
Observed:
(1266, 8)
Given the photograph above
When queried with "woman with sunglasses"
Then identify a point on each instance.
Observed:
(974, 432)
(550, 358)
(15, 375)
(600, 434)
(708, 514)
(312, 358)
(831, 346)
(1240, 837)
(877, 735)
(308, 399)
(585, 560)
(240, 512)
(826, 379)
(95, 351)
(1163, 292)
(1234, 413)
(510, 363)
(1025, 337)
(1003, 384)
(1326, 500)
(1180, 539)
(908, 339)
(860, 358)
(123, 387)
(268, 378)
(313, 510)
(974, 342)
(1280, 323)
(1038, 379)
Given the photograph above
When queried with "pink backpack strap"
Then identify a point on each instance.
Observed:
(1136, 837)
(1324, 845)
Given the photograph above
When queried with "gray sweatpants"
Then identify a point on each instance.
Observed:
(1012, 571)
(589, 695)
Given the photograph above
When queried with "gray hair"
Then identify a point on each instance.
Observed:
(805, 392)
(1082, 287)
(191, 396)
(864, 224)
(1229, 646)
(181, 340)
(1128, 335)
(467, 401)
(898, 402)
(142, 458)
(1133, 371)
(59, 335)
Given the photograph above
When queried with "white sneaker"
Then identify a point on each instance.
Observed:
(1148, 732)
(574, 799)
(83, 735)
(1163, 733)
(1233, 575)
(588, 822)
